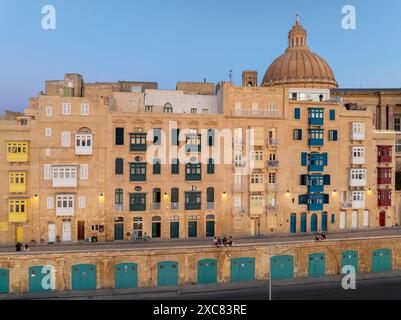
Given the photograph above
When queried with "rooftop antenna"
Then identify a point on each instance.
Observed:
(297, 17)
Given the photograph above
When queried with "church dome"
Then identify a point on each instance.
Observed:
(299, 67)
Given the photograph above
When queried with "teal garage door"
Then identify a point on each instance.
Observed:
(167, 273)
(126, 275)
(382, 260)
(317, 265)
(242, 269)
(282, 267)
(40, 279)
(207, 271)
(350, 258)
(4, 280)
(83, 277)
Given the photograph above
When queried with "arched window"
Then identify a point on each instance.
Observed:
(168, 108)
(119, 166)
(84, 131)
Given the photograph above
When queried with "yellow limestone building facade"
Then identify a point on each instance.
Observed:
(118, 161)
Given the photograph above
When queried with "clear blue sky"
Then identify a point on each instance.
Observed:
(175, 40)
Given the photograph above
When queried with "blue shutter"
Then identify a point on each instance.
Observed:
(325, 159)
(297, 114)
(300, 134)
(333, 218)
(304, 159)
(174, 136)
(303, 199)
(327, 180)
(326, 199)
(332, 115)
(335, 135)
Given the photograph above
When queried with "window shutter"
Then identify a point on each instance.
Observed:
(82, 202)
(297, 114)
(332, 115)
(119, 136)
(325, 159)
(327, 180)
(300, 134)
(211, 137)
(84, 171)
(304, 157)
(65, 139)
(174, 137)
(304, 180)
(49, 202)
(303, 199)
(326, 199)
(335, 135)
(119, 166)
(48, 172)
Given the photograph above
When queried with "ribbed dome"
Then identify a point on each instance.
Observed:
(298, 67)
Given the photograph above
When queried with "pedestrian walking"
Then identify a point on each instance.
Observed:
(26, 247)
(18, 246)
(230, 241)
(215, 242)
(225, 241)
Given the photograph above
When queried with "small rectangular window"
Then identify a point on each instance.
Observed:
(119, 136)
(332, 115)
(297, 134)
(84, 109)
(48, 132)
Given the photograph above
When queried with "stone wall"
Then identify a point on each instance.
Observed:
(187, 259)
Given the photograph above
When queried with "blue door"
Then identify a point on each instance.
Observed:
(207, 271)
(350, 258)
(313, 223)
(293, 227)
(4, 280)
(324, 222)
(126, 275)
(40, 279)
(242, 269)
(382, 260)
(282, 267)
(317, 265)
(83, 277)
(167, 273)
(303, 223)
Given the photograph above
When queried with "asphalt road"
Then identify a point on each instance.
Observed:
(193, 243)
(368, 287)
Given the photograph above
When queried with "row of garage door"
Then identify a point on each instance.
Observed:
(83, 276)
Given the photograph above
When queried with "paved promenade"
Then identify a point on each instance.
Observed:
(193, 243)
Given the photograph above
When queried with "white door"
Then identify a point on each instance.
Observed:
(51, 233)
(366, 219)
(354, 219)
(342, 220)
(66, 231)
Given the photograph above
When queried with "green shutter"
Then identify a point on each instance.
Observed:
(304, 157)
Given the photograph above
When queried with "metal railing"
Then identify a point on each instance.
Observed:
(272, 164)
(175, 205)
(156, 206)
(210, 205)
(273, 142)
(257, 113)
(271, 208)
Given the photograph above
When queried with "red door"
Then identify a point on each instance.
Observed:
(382, 219)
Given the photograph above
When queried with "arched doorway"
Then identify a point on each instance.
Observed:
(382, 218)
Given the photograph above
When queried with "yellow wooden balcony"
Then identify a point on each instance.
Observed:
(17, 217)
(17, 182)
(17, 210)
(17, 151)
(256, 206)
(257, 187)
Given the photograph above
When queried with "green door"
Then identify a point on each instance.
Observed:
(156, 230)
(242, 269)
(192, 229)
(40, 279)
(382, 260)
(174, 230)
(317, 265)
(207, 271)
(83, 277)
(209, 229)
(126, 275)
(4, 280)
(167, 273)
(282, 267)
(118, 232)
(350, 258)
